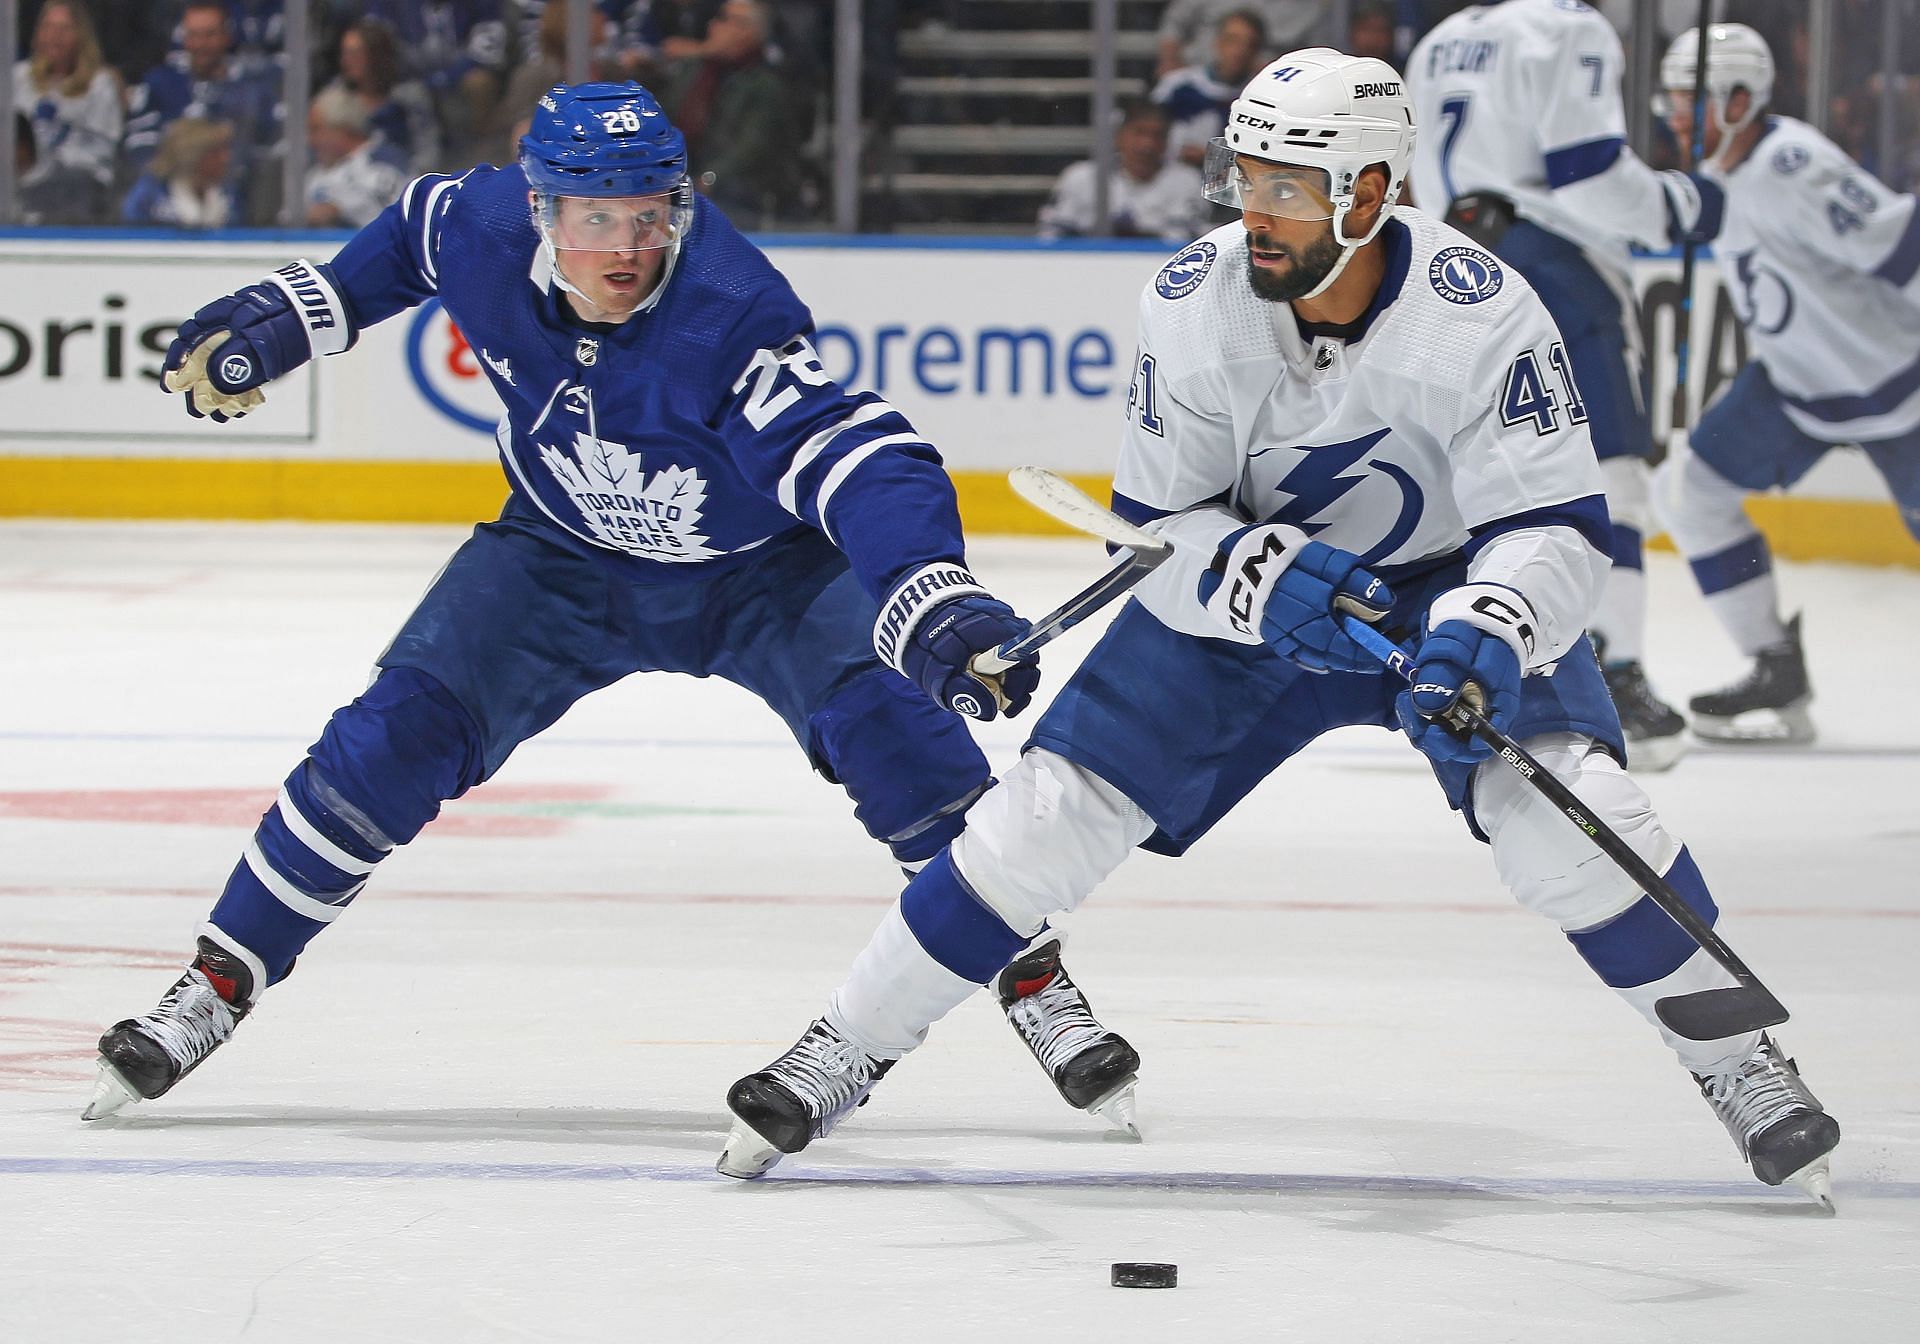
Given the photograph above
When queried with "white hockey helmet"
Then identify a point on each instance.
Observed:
(1317, 108)
(1737, 58)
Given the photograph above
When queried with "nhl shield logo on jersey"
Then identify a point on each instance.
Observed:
(1181, 276)
(1465, 275)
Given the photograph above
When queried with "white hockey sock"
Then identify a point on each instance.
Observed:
(894, 992)
(1750, 612)
(1698, 972)
(1622, 616)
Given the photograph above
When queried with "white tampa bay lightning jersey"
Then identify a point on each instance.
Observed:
(1522, 100)
(1821, 260)
(1444, 423)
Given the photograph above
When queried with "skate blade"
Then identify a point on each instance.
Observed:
(111, 1093)
(1790, 725)
(1117, 1109)
(747, 1156)
(1815, 1180)
(1651, 755)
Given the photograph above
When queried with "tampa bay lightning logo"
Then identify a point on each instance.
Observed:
(1321, 478)
(1465, 275)
(236, 368)
(1181, 276)
(1762, 298)
(1790, 159)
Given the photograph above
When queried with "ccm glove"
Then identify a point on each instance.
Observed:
(227, 351)
(1479, 637)
(933, 627)
(1270, 584)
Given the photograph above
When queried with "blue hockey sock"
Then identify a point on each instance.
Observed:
(305, 864)
(1644, 944)
(955, 926)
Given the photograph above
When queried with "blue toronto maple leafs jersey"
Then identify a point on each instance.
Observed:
(689, 435)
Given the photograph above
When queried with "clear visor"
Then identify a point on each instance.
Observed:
(1279, 189)
(1671, 103)
(615, 224)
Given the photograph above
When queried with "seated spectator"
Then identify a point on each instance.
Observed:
(399, 110)
(744, 123)
(540, 72)
(1186, 29)
(204, 80)
(350, 181)
(188, 183)
(1197, 97)
(458, 49)
(1148, 195)
(1370, 32)
(72, 97)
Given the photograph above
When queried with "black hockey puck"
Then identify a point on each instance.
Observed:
(1126, 1275)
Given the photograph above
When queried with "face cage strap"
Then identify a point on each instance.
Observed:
(1348, 247)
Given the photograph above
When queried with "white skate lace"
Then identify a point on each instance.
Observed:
(827, 1073)
(190, 1021)
(1056, 1023)
(1763, 1090)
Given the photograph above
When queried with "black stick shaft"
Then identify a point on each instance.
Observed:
(1696, 150)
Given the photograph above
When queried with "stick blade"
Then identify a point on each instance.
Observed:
(1062, 499)
(1714, 1013)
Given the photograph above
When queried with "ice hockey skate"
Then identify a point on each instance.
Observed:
(1094, 1069)
(1778, 1123)
(796, 1099)
(143, 1057)
(1769, 704)
(1656, 732)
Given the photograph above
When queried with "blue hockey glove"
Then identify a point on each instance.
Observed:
(1478, 637)
(932, 627)
(232, 347)
(1696, 204)
(1270, 584)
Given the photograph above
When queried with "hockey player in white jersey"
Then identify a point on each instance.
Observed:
(1337, 406)
(1524, 148)
(1821, 260)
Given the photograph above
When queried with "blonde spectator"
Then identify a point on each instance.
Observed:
(66, 90)
(350, 181)
(187, 185)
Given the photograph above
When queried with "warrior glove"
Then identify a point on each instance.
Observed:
(225, 353)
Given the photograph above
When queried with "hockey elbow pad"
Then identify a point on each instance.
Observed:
(227, 351)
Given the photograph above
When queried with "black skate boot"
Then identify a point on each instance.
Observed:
(143, 1057)
(796, 1099)
(1769, 704)
(1778, 1123)
(1095, 1069)
(1656, 734)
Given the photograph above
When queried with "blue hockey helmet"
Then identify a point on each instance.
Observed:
(602, 139)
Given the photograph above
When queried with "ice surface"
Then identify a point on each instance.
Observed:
(1380, 1102)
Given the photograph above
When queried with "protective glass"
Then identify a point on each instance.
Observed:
(1283, 190)
(615, 224)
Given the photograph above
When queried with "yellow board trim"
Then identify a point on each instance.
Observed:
(1858, 531)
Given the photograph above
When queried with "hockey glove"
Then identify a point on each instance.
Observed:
(1479, 637)
(932, 627)
(227, 351)
(1269, 584)
(1695, 206)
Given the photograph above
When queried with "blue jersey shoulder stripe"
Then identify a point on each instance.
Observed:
(1904, 260)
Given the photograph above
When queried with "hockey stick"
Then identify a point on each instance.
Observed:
(1141, 554)
(1706, 1015)
(1683, 332)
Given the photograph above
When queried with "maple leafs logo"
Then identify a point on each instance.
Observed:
(658, 518)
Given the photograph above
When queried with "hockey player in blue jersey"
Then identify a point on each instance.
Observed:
(1526, 152)
(1823, 263)
(1339, 406)
(690, 492)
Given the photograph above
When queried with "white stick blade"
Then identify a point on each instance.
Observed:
(1075, 507)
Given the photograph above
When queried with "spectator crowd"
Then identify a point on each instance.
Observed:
(172, 112)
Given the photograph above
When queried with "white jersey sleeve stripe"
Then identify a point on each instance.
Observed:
(844, 468)
(428, 247)
(803, 457)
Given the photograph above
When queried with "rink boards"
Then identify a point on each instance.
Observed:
(1002, 351)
